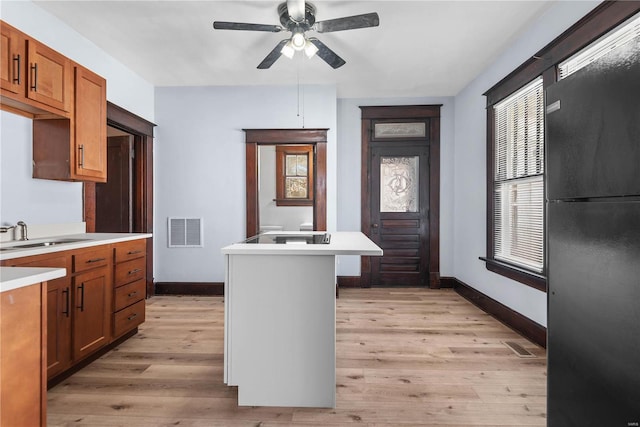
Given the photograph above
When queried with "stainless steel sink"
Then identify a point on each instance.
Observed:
(42, 244)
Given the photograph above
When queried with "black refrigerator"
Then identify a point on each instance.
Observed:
(593, 243)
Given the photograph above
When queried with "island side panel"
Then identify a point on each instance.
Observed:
(281, 326)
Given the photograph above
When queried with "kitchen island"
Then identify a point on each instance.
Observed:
(280, 311)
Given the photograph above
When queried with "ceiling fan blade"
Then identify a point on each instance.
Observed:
(222, 25)
(327, 55)
(348, 23)
(272, 56)
(296, 10)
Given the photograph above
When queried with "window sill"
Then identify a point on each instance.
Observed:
(521, 275)
(293, 202)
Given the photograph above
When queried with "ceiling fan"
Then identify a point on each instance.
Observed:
(298, 17)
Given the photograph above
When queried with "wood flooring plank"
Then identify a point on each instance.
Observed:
(405, 357)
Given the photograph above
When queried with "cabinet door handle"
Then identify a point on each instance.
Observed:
(133, 316)
(16, 61)
(90, 261)
(133, 252)
(132, 294)
(81, 289)
(66, 309)
(81, 156)
(34, 74)
(137, 270)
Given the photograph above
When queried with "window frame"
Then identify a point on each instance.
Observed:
(596, 23)
(282, 151)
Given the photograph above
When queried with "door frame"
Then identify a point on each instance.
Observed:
(315, 137)
(404, 113)
(142, 131)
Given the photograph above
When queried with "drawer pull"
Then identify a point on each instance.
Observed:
(133, 252)
(131, 294)
(95, 260)
(133, 316)
(137, 270)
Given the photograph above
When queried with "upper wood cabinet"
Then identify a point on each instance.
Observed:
(14, 58)
(75, 149)
(90, 125)
(48, 76)
(35, 80)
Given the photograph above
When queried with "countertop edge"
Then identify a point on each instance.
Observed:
(92, 239)
(12, 278)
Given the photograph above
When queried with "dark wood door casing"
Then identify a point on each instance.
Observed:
(315, 137)
(431, 115)
(142, 131)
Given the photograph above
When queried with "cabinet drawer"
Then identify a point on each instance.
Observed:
(130, 271)
(128, 318)
(87, 259)
(128, 294)
(126, 251)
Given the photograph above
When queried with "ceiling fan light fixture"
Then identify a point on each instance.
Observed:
(310, 49)
(298, 40)
(288, 50)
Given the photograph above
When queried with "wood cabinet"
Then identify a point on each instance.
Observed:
(129, 286)
(48, 76)
(68, 105)
(22, 379)
(36, 80)
(75, 149)
(90, 125)
(58, 313)
(13, 52)
(92, 301)
(99, 300)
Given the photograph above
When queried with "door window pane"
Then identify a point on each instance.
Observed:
(399, 184)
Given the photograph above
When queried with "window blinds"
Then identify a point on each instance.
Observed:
(518, 180)
(624, 33)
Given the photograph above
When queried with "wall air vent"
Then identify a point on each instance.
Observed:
(185, 232)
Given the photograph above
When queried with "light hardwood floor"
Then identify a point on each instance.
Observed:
(404, 357)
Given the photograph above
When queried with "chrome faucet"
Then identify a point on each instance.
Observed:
(22, 226)
(6, 228)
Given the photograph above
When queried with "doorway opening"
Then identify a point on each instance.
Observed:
(132, 180)
(314, 138)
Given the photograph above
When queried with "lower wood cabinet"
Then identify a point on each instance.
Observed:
(91, 312)
(99, 300)
(22, 380)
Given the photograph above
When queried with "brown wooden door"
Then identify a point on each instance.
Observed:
(399, 207)
(114, 199)
(400, 191)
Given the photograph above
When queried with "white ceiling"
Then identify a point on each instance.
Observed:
(421, 48)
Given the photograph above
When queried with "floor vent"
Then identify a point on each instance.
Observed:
(518, 349)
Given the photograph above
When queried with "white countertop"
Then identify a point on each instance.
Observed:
(10, 250)
(342, 243)
(18, 277)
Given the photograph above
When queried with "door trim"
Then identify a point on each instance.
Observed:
(142, 130)
(315, 137)
(369, 115)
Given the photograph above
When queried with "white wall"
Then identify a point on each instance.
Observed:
(42, 201)
(470, 171)
(349, 155)
(200, 163)
(288, 217)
